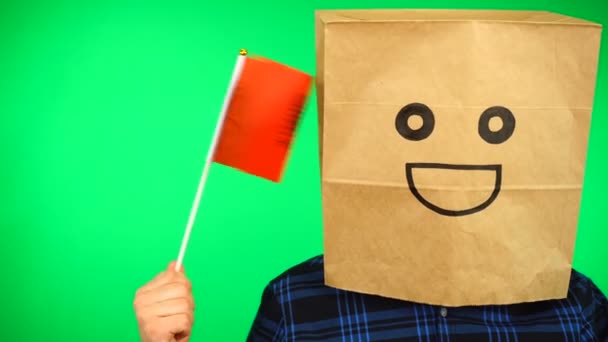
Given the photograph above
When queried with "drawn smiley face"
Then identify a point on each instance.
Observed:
(496, 136)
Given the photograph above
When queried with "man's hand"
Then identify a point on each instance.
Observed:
(165, 307)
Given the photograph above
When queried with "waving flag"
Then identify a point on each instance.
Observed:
(262, 117)
(256, 125)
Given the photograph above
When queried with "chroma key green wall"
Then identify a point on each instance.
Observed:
(106, 112)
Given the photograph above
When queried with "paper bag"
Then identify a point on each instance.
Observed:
(453, 147)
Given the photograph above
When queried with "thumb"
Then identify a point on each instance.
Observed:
(171, 267)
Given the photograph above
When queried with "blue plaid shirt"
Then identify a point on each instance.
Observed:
(297, 306)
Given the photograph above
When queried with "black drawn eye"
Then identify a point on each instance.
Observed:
(497, 134)
(406, 118)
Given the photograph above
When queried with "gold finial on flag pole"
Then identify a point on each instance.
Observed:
(243, 52)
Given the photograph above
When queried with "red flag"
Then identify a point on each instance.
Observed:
(256, 124)
(262, 116)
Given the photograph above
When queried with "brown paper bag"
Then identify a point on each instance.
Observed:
(453, 151)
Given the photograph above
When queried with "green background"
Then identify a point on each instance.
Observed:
(106, 112)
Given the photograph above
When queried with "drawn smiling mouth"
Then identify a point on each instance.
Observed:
(496, 168)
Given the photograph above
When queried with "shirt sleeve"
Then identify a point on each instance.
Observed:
(269, 324)
(595, 313)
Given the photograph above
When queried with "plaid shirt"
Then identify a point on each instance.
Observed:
(297, 306)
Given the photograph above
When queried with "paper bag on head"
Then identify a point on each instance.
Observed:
(453, 151)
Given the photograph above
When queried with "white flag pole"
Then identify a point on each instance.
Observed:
(236, 74)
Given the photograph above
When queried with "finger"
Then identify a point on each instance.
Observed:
(157, 281)
(171, 271)
(182, 337)
(169, 308)
(172, 328)
(179, 325)
(166, 292)
(167, 276)
(181, 269)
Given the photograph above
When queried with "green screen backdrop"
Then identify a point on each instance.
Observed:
(106, 112)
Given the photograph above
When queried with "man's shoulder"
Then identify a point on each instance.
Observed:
(309, 273)
(297, 302)
(309, 276)
(585, 293)
(580, 282)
